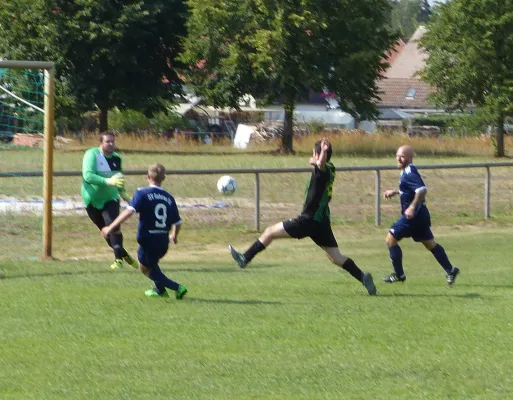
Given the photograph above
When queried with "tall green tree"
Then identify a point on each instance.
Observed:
(424, 12)
(405, 16)
(273, 49)
(470, 46)
(27, 33)
(108, 52)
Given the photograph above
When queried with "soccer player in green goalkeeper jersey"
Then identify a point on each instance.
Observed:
(102, 186)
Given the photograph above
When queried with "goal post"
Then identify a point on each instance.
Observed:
(48, 69)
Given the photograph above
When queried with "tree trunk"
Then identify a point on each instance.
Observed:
(288, 125)
(499, 150)
(104, 119)
(356, 123)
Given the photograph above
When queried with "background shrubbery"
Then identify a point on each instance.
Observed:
(457, 124)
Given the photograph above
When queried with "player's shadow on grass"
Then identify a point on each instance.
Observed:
(169, 270)
(462, 295)
(487, 286)
(228, 301)
(64, 273)
(213, 270)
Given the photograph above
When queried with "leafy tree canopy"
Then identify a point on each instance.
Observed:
(273, 49)
(108, 52)
(470, 46)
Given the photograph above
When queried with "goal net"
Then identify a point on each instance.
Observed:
(26, 158)
(21, 102)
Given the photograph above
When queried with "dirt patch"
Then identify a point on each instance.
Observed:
(37, 140)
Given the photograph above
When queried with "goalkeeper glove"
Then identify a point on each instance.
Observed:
(117, 180)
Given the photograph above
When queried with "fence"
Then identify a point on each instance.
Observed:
(258, 172)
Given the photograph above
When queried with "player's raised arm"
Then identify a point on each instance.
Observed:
(312, 160)
(321, 161)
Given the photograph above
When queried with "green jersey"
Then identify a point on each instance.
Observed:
(96, 168)
(319, 190)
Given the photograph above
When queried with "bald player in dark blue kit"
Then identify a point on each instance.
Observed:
(415, 220)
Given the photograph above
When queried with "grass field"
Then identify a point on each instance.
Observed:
(290, 326)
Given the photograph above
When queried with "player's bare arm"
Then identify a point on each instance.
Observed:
(106, 231)
(388, 194)
(420, 196)
(173, 236)
(311, 161)
(321, 160)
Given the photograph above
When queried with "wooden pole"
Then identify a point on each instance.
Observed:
(49, 75)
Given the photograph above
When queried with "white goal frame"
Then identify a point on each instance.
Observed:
(48, 110)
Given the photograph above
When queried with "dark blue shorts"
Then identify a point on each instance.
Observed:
(150, 252)
(418, 228)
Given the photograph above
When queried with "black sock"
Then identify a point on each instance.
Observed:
(441, 256)
(116, 241)
(396, 256)
(253, 250)
(353, 269)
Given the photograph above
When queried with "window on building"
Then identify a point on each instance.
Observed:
(410, 95)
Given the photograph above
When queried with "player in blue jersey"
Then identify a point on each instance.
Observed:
(415, 221)
(158, 216)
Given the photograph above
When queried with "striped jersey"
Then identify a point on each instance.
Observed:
(319, 190)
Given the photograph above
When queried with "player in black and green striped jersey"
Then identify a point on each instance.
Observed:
(314, 220)
(102, 186)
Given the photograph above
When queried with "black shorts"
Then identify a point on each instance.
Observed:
(105, 216)
(319, 232)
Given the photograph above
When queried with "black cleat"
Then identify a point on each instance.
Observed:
(369, 284)
(392, 278)
(238, 257)
(452, 276)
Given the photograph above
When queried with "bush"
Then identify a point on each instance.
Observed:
(457, 124)
(167, 121)
(316, 126)
(442, 121)
(129, 121)
(470, 125)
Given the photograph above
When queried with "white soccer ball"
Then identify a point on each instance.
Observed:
(226, 185)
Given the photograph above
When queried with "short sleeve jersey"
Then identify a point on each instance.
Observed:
(157, 210)
(409, 184)
(319, 190)
(96, 167)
